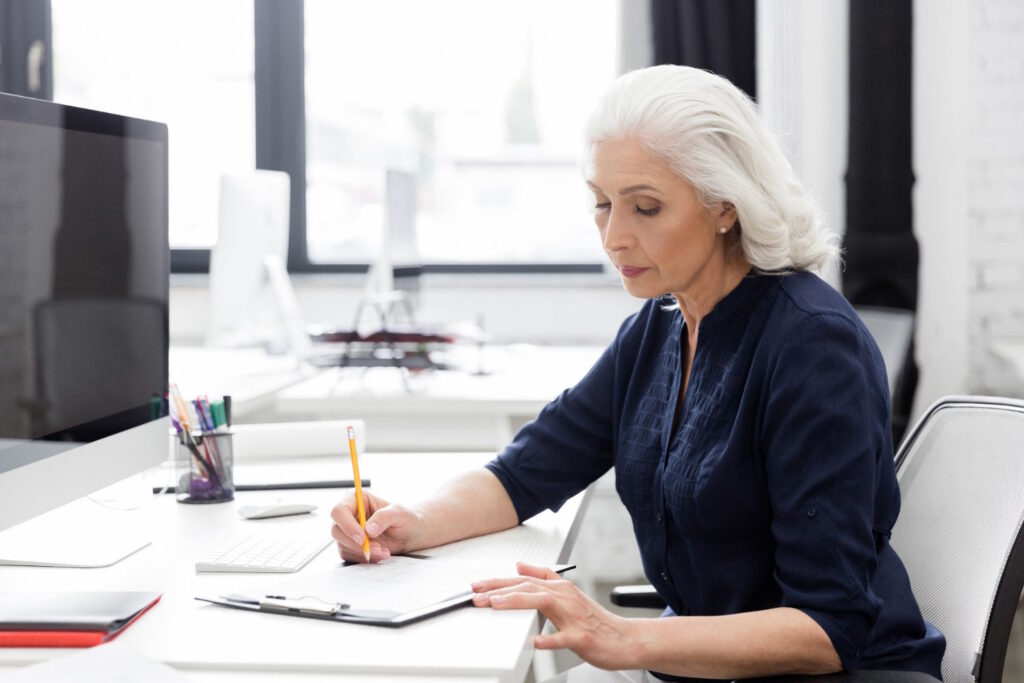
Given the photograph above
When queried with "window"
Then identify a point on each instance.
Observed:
(188, 63)
(485, 102)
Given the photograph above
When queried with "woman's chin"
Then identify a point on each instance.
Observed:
(641, 290)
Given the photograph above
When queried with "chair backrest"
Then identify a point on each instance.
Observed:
(76, 354)
(893, 330)
(961, 475)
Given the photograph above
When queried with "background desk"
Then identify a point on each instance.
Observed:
(213, 643)
(251, 376)
(441, 410)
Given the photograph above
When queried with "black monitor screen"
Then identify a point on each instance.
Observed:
(84, 263)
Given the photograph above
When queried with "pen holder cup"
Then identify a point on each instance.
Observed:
(204, 468)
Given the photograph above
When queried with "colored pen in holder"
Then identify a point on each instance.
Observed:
(203, 466)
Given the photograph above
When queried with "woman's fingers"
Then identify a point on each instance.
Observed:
(527, 572)
(501, 597)
(584, 627)
(558, 640)
(377, 553)
(386, 527)
(344, 519)
(494, 584)
(484, 597)
(543, 601)
(536, 572)
(351, 549)
(383, 519)
(486, 585)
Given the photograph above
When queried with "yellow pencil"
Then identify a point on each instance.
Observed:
(360, 507)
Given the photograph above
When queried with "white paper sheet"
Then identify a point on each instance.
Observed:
(526, 543)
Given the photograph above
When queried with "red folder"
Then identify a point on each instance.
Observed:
(69, 619)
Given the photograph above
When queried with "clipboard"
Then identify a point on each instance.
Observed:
(314, 608)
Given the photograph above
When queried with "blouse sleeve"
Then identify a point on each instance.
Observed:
(569, 445)
(828, 458)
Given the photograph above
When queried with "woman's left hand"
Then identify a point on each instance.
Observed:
(592, 632)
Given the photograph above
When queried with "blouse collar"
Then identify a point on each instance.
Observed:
(734, 306)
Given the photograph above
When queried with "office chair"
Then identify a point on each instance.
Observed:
(961, 476)
(893, 331)
(74, 347)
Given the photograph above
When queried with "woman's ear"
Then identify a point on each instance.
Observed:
(728, 214)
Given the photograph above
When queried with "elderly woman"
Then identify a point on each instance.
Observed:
(744, 408)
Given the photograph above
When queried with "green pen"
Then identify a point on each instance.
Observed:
(218, 414)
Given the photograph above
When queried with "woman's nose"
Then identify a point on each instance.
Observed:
(616, 232)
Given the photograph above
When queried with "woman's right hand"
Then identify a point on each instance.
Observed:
(392, 528)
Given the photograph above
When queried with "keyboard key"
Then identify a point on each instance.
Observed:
(277, 550)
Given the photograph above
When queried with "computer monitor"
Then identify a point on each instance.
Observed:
(253, 225)
(397, 266)
(84, 265)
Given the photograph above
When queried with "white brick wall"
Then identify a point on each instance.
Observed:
(995, 190)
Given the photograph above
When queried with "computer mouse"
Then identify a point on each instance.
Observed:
(274, 510)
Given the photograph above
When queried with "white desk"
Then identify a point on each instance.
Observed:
(252, 377)
(213, 643)
(442, 410)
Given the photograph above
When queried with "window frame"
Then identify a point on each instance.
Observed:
(280, 123)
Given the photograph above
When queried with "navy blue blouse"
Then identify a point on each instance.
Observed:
(778, 486)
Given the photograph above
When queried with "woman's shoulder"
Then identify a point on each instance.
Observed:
(807, 309)
(811, 295)
(803, 296)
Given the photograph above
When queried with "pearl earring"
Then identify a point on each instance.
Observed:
(723, 229)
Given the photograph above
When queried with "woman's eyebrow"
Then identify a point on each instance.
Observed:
(624, 191)
(636, 188)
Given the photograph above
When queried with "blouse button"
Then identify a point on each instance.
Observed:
(811, 511)
(658, 517)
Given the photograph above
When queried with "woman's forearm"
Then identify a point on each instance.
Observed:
(768, 642)
(472, 504)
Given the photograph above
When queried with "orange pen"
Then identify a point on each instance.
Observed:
(360, 507)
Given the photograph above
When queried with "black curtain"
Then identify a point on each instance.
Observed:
(881, 250)
(717, 35)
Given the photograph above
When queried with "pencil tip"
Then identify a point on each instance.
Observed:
(366, 554)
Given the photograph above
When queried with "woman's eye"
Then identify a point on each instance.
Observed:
(649, 212)
(601, 206)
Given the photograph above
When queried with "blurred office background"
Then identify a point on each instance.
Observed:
(905, 118)
(485, 101)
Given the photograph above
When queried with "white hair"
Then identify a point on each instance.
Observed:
(710, 134)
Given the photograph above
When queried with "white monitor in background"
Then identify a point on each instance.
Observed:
(253, 225)
(289, 314)
(398, 264)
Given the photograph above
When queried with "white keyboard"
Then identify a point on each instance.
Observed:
(279, 550)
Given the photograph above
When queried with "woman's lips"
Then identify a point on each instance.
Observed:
(632, 271)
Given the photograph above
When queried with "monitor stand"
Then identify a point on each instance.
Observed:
(88, 539)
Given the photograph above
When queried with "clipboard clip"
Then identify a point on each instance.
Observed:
(307, 604)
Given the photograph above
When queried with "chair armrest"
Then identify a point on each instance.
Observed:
(865, 676)
(637, 596)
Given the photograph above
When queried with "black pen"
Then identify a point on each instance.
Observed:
(335, 484)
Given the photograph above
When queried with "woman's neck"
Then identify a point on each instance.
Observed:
(713, 286)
